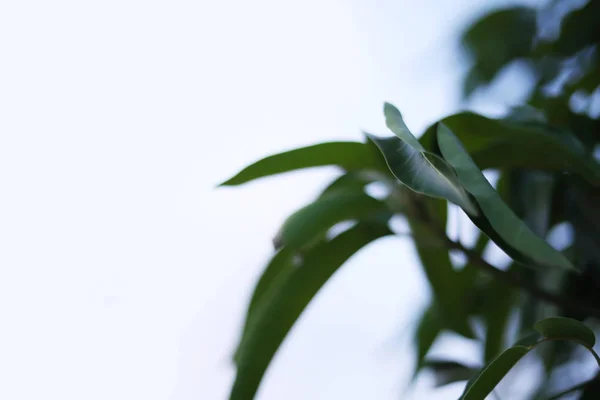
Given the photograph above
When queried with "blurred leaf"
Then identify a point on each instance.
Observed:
(276, 315)
(566, 328)
(591, 391)
(445, 282)
(348, 182)
(501, 218)
(497, 305)
(488, 378)
(428, 329)
(348, 155)
(447, 372)
(499, 38)
(579, 29)
(510, 144)
(304, 225)
(277, 271)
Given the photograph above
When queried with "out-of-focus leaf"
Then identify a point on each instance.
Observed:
(428, 329)
(497, 305)
(347, 155)
(276, 314)
(501, 218)
(445, 282)
(304, 225)
(567, 329)
(499, 38)
(579, 29)
(277, 271)
(488, 378)
(447, 372)
(510, 144)
(592, 391)
(350, 181)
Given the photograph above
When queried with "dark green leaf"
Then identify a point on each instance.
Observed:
(497, 305)
(348, 155)
(488, 378)
(428, 329)
(447, 372)
(303, 226)
(501, 218)
(510, 144)
(351, 181)
(276, 316)
(499, 38)
(445, 282)
(566, 329)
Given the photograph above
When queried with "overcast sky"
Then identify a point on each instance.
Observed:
(124, 273)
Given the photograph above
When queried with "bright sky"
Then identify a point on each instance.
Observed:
(124, 274)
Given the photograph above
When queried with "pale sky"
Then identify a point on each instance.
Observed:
(124, 273)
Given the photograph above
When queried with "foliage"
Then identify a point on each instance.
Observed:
(544, 151)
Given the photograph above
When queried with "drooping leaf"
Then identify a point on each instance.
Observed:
(424, 173)
(347, 155)
(428, 329)
(488, 378)
(502, 144)
(277, 314)
(277, 271)
(502, 220)
(445, 282)
(498, 303)
(303, 226)
(566, 328)
(447, 372)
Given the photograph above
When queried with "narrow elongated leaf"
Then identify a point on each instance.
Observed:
(445, 282)
(428, 329)
(351, 181)
(277, 314)
(302, 227)
(395, 122)
(501, 218)
(447, 372)
(503, 144)
(566, 328)
(348, 155)
(486, 380)
(498, 303)
(424, 173)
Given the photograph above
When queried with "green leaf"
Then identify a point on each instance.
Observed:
(395, 122)
(566, 328)
(277, 271)
(348, 155)
(277, 314)
(499, 38)
(303, 226)
(488, 378)
(424, 173)
(445, 282)
(428, 329)
(447, 372)
(351, 181)
(502, 219)
(498, 302)
(502, 144)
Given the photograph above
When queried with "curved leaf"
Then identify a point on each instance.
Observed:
(277, 314)
(486, 380)
(424, 173)
(501, 218)
(566, 328)
(428, 329)
(348, 155)
(447, 372)
(303, 226)
(395, 122)
(496, 143)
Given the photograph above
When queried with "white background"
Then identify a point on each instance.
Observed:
(124, 273)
